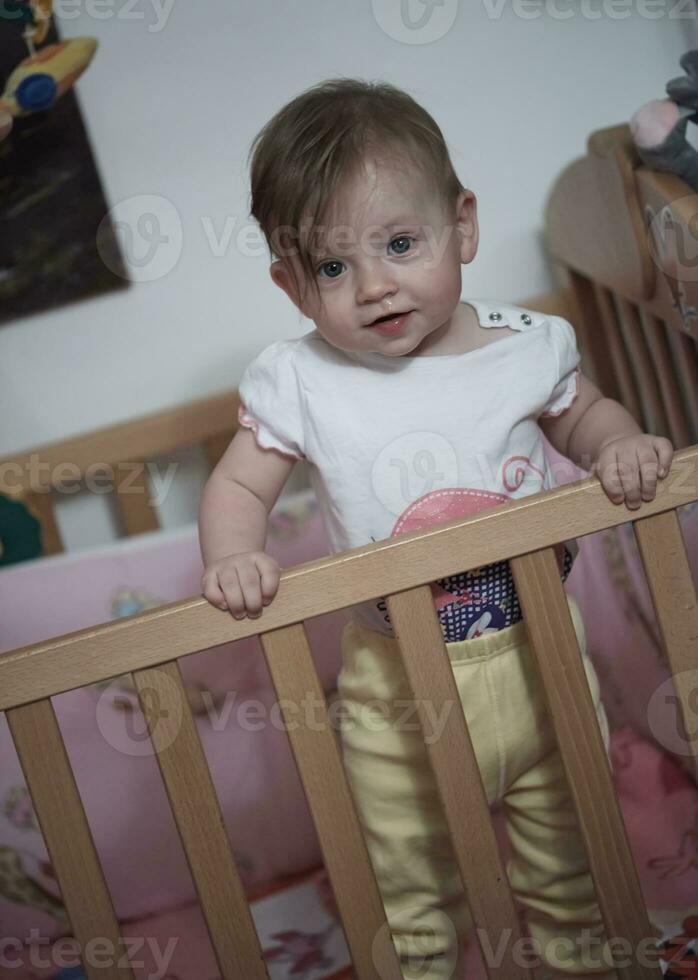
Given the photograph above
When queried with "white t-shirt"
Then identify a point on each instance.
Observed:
(399, 443)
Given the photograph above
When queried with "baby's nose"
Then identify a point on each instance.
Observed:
(374, 283)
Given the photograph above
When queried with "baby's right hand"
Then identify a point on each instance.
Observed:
(242, 583)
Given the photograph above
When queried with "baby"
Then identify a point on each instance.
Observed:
(413, 407)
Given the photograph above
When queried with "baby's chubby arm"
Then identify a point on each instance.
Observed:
(235, 504)
(599, 435)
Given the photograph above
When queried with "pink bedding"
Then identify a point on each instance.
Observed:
(301, 934)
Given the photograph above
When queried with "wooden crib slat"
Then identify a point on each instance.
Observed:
(327, 790)
(619, 359)
(134, 504)
(659, 348)
(636, 345)
(199, 820)
(41, 504)
(65, 829)
(552, 637)
(457, 774)
(595, 363)
(668, 572)
(686, 359)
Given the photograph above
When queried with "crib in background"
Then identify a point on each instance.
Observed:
(636, 322)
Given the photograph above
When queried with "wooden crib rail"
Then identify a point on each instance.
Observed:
(120, 452)
(150, 644)
(327, 584)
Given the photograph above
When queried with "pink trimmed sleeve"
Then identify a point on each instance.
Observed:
(566, 377)
(270, 403)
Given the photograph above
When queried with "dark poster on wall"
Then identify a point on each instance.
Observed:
(55, 244)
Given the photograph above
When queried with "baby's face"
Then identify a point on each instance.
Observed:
(388, 264)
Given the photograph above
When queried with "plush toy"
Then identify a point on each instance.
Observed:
(42, 78)
(659, 127)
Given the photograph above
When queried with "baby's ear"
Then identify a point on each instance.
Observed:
(467, 226)
(283, 278)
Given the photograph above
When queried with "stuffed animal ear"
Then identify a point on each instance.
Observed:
(659, 132)
(684, 89)
(659, 127)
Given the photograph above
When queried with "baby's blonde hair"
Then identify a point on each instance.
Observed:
(317, 142)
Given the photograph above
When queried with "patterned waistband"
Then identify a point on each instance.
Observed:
(482, 600)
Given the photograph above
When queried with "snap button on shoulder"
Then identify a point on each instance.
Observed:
(526, 319)
(495, 316)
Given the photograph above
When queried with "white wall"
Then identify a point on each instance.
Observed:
(171, 113)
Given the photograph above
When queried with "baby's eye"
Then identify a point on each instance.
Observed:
(331, 269)
(401, 244)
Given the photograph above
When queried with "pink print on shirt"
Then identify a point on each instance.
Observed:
(439, 507)
(482, 600)
(448, 504)
(514, 473)
(452, 594)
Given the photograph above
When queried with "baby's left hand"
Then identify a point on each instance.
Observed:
(628, 468)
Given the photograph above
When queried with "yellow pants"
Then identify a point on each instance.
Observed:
(400, 810)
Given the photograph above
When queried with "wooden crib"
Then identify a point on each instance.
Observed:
(638, 338)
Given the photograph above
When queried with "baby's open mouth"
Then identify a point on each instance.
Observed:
(388, 317)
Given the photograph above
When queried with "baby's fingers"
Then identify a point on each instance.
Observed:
(629, 474)
(607, 472)
(233, 593)
(649, 466)
(270, 574)
(620, 478)
(665, 454)
(251, 589)
(211, 590)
